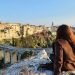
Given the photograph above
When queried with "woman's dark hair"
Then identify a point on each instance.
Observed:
(65, 32)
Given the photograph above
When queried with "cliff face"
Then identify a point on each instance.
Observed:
(11, 30)
(8, 31)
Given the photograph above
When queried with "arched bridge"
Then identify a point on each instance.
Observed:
(12, 54)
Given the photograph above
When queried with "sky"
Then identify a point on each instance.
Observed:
(38, 12)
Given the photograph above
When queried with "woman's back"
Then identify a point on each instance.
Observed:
(64, 50)
(68, 55)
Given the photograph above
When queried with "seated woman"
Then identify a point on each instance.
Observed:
(64, 51)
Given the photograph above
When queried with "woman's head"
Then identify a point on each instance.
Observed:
(65, 32)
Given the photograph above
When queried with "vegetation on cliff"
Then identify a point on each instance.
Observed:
(42, 39)
(38, 40)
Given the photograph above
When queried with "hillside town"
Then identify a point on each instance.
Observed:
(16, 30)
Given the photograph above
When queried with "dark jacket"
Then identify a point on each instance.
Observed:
(64, 56)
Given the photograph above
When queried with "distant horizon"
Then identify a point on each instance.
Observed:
(37, 24)
(38, 12)
(55, 24)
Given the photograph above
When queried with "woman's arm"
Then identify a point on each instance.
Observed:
(58, 58)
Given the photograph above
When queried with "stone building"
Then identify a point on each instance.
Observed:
(16, 30)
(8, 31)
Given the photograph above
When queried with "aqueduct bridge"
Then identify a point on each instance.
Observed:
(12, 54)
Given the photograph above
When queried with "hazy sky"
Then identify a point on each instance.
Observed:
(38, 11)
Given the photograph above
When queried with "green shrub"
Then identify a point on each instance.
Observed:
(27, 54)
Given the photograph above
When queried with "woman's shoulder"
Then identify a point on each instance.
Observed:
(61, 41)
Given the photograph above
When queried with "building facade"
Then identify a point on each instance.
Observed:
(16, 30)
